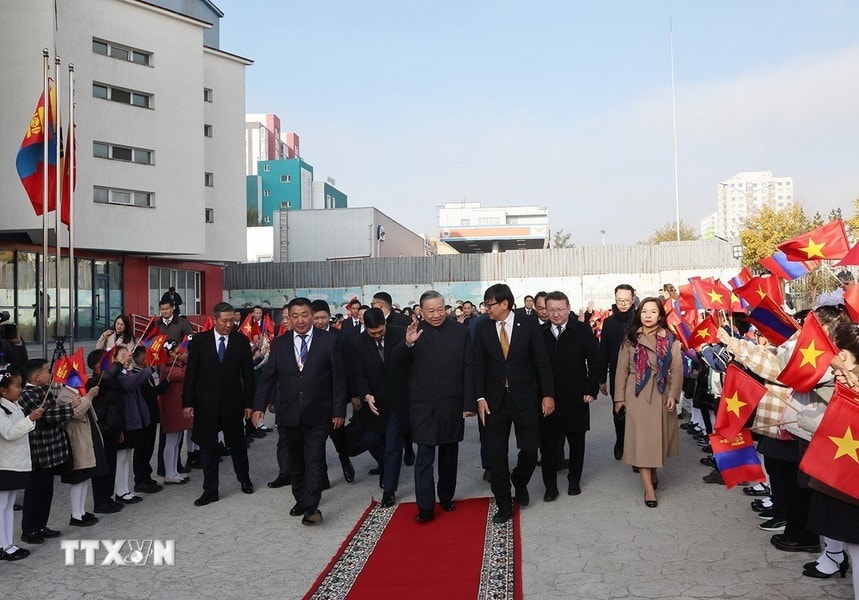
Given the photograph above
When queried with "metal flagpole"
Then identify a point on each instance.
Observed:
(70, 156)
(58, 329)
(674, 119)
(43, 304)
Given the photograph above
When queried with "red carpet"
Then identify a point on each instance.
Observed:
(461, 554)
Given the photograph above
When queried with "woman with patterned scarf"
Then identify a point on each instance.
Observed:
(648, 383)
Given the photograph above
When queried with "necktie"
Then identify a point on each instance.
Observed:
(302, 352)
(222, 348)
(505, 341)
(557, 331)
(380, 346)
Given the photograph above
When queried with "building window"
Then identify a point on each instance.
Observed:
(210, 215)
(286, 204)
(187, 284)
(209, 180)
(207, 130)
(123, 96)
(119, 52)
(207, 94)
(266, 168)
(104, 195)
(266, 193)
(125, 153)
(266, 220)
(285, 178)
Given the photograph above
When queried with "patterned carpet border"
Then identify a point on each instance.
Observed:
(499, 573)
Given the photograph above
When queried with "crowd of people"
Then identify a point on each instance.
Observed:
(411, 377)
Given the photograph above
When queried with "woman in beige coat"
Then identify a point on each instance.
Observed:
(648, 383)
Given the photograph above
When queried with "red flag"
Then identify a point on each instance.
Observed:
(827, 242)
(250, 327)
(741, 394)
(851, 301)
(149, 333)
(711, 294)
(755, 290)
(686, 297)
(705, 333)
(771, 320)
(677, 325)
(832, 457)
(851, 258)
(268, 326)
(30, 163)
(71, 371)
(156, 353)
(107, 359)
(61, 370)
(811, 357)
(210, 323)
(67, 168)
(736, 458)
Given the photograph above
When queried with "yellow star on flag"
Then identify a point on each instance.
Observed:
(812, 249)
(761, 292)
(809, 355)
(734, 404)
(847, 446)
(714, 295)
(702, 333)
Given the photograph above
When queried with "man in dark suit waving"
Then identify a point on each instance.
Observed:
(218, 392)
(307, 368)
(514, 386)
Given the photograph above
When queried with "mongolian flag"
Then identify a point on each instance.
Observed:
(741, 278)
(711, 294)
(741, 394)
(811, 357)
(71, 371)
(182, 348)
(30, 163)
(779, 265)
(758, 287)
(268, 326)
(832, 458)
(736, 458)
(149, 334)
(851, 302)
(775, 324)
(680, 328)
(107, 359)
(705, 333)
(250, 327)
(156, 353)
(828, 242)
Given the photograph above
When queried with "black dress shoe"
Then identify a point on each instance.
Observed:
(49, 533)
(312, 517)
(550, 495)
(89, 517)
(388, 499)
(425, 515)
(487, 475)
(650, 503)
(247, 487)
(574, 489)
(781, 542)
(708, 461)
(297, 511)
(206, 498)
(448, 505)
(618, 451)
(374, 471)
(348, 469)
(280, 481)
(16, 555)
(502, 516)
(32, 538)
(108, 507)
(129, 499)
(636, 470)
(82, 522)
(258, 434)
(409, 456)
(148, 487)
(522, 496)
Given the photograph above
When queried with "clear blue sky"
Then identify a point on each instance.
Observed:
(561, 104)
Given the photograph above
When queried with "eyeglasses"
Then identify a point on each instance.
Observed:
(490, 304)
(555, 311)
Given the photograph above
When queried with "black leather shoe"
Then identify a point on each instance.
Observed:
(502, 516)
(256, 433)
(280, 481)
(388, 499)
(487, 475)
(312, 517)
(522, 496)
(16, 555)
(636, 470)
(129, 499)
(148, 487)
(650, 503)
(82, 522)
(713, 477)
(409, 456)
(32, 538)
(708, 461)
(49, 533)
(787, 545)
(107, 508)
(89, 517)
(374, 471)
(247, 487)
(424, 515)
(618, 451)
(574, 489)
(297, 511)
(206, 498)
(348, 469)
(550, 495)
(448, 505)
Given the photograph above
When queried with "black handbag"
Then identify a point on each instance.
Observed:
(354, 431)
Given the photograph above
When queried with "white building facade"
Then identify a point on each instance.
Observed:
(743, 194)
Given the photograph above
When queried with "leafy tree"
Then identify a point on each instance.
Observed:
(768, 227)
(253, 217)
(668, 233)
(560, 239)
(853, 222)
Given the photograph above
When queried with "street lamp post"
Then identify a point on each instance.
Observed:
(602, 232)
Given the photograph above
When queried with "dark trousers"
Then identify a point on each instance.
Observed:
(282, 452)
(37, 500)
(552, 439)
(448, 456)
(393, 460)
(211, 458)
(306, 448)
(796, 501)
(777, 491)
(484, 445)
(526, 426)
(619, 427)
(102, 486)
(143, 454)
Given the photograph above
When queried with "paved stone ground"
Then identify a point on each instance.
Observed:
(702, 542)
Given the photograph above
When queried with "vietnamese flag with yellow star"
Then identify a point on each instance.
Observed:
(250, 327)
(704, 333)
(832, 458)
(758, 287)
(711, 294)
(741, 394)
(828, 242)
(811, 357)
